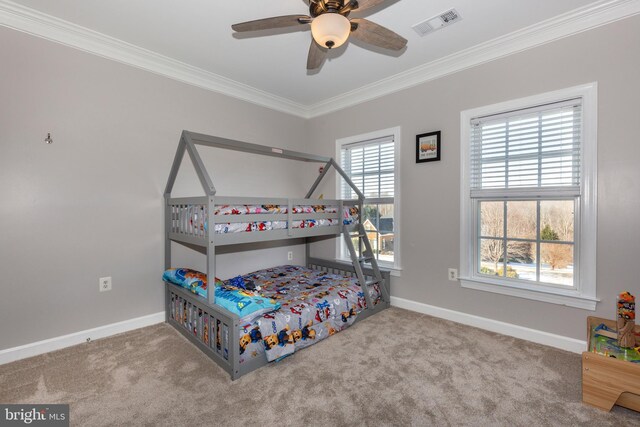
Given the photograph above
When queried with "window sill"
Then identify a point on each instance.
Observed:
(561, 297)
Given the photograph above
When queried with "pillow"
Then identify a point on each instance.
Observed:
(245, 304)
(239, 301)
(193, 280)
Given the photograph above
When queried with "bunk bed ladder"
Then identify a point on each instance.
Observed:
(360, 261)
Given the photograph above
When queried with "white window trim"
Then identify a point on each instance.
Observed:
(395, 131)
(584, 296)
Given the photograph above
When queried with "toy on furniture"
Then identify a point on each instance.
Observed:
(626, 320)
(212, 221)
(610, 373)
(604, 331)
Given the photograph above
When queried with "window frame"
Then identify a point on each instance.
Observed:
(585, 222)
(395, 267)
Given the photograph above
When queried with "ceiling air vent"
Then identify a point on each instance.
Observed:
(439, 21)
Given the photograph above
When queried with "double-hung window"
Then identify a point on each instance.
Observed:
(370, 161)
(528, 197)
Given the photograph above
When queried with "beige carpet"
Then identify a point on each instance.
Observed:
(395, 368)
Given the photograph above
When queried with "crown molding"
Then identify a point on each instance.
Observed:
(21, 18)
(30, 21)
(568, 24)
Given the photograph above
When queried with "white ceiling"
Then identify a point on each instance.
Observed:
(198, 33)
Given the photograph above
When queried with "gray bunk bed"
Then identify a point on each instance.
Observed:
(191, 221)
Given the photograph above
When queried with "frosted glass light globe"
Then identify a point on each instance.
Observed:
(330, 30)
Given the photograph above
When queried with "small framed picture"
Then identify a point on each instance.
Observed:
(428, 147)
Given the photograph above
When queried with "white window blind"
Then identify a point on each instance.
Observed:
(535, 149)
(370, 165)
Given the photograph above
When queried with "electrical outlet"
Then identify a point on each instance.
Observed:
(453, 274)
(290, 255)
(105, 284)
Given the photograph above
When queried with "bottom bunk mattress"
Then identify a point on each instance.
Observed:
(313, 305)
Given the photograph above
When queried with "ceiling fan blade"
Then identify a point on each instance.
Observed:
(269, 23)
(377, 35)
(317, 55)
(366, 4)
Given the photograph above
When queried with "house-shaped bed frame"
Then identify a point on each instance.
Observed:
(210, 324)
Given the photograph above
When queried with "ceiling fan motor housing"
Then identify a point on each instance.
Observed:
(343, 7)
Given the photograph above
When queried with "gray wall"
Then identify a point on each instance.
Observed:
(90, 204)
(431, 191)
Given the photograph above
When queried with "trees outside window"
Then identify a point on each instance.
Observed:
(509, 240)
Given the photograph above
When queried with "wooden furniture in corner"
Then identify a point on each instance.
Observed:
(607, 381)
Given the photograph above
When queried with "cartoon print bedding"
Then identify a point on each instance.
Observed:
(266, 209)
(196, 220)
(239, 227)
(314, 305)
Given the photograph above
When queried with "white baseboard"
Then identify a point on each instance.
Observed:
(558, 341)
(52, 344)
(540, 337)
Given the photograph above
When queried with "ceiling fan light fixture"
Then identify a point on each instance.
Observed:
(330, 30)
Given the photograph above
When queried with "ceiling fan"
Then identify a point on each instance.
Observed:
(331, 27)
